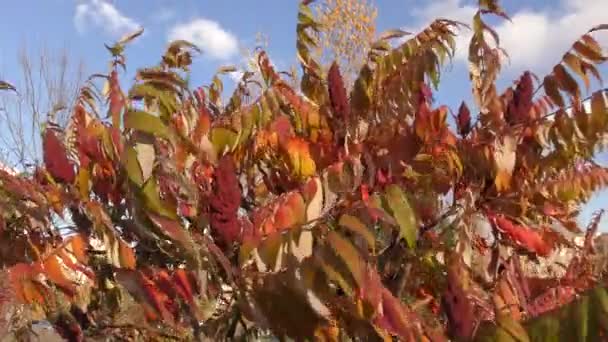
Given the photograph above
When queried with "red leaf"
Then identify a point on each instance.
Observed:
(552, 299)
(282, 126)
(394, 317)
(458, 307)
(523, 236)
(55, 158)
(146, 292)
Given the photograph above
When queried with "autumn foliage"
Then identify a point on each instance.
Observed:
(322, 212)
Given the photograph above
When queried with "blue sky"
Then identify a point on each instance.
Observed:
(541, 29)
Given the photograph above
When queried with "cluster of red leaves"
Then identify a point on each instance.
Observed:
(519, 107)
(225, 202)
(337, 93)
(463, 120)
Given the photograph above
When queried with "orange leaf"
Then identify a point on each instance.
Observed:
(53, 269)
(127, 255)
(183, 285)
(301, 162)
(78, 246)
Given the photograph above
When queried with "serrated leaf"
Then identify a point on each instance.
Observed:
(403, 214)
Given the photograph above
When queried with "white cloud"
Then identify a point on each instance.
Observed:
(533, 36)
(103, 15)
(209, 36)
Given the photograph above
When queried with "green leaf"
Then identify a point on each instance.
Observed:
(270, 253)
(403, 213)
(132, 166)
(513, 328)
(581, 319)
(331, 271)
(600, 303)
(223, 139)
(145, 122)
(150, 193)
(546, 329)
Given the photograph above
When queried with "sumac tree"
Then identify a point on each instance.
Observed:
(318, 213)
